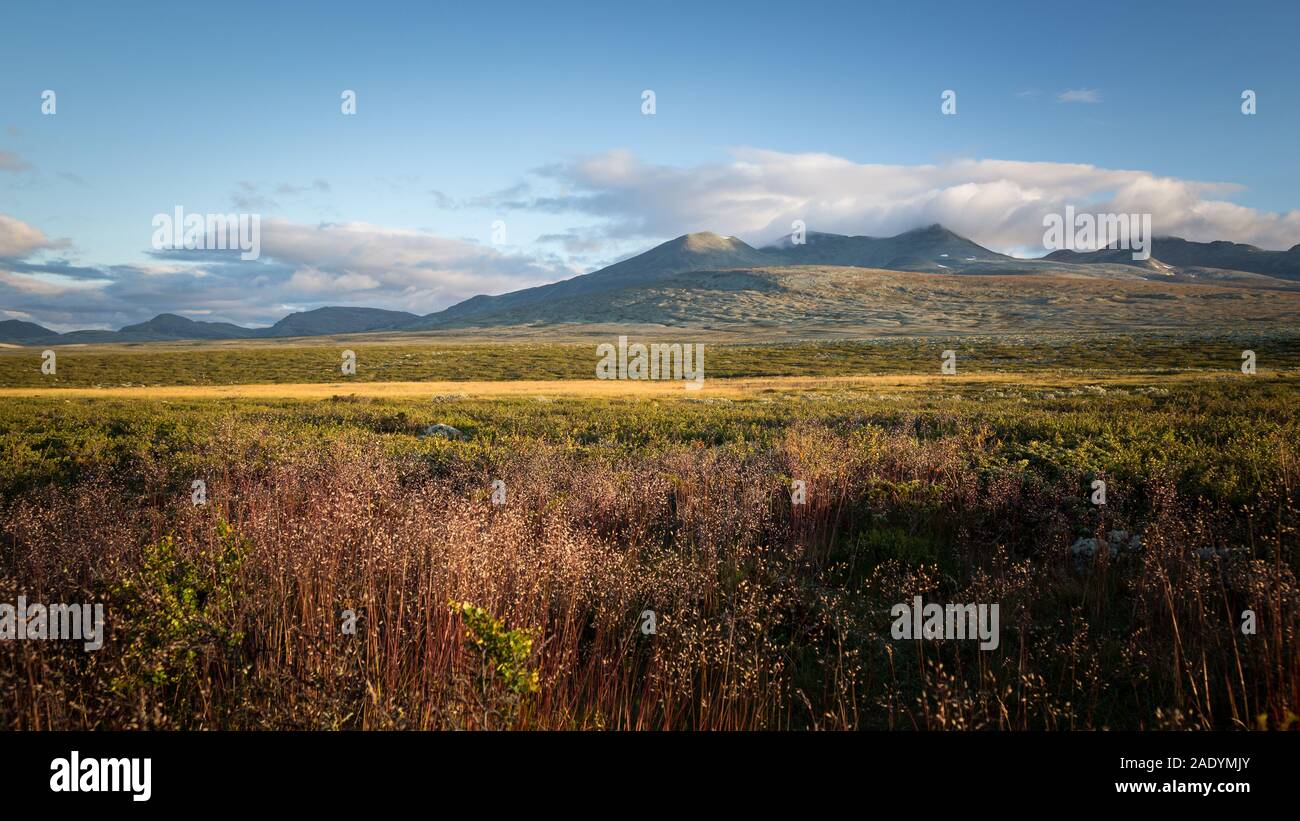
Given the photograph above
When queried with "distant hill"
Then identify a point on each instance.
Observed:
(933, 248)
(702, 251)
(171, 326)
(816, 301)
(19, 332)
(703, 277)
(700, 262)
(1180, 253)
(329, 321)
(1110, 256)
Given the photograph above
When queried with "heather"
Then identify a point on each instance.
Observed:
(768, 614)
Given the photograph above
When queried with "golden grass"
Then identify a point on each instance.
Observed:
(720, 388)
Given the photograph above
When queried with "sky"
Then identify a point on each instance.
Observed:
(502, 145)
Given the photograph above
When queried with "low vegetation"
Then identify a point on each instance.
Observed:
(348, 571)
(388, 361)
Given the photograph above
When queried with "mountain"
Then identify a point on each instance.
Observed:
(830, 282)
(171, 326)
(19, 332)
(161, 328)
(702, 251)
(933, 248)
(1111, 256)
(706, 261)
(329, 321)
(1194, 256)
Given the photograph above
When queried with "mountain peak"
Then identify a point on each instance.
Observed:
(927, 248)
(708, 242)
(159, 323)
(701, 250)
(171, 319)
(934, 229)
(16, 330)
(334, 319)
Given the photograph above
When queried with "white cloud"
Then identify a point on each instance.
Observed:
(1079, 95)
(756, 194)
(48, 285)
(999, 203)
(305, 265)
(18, 239)
(420, 270)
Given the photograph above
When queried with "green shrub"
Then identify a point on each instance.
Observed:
(176, 610)
(492, 696)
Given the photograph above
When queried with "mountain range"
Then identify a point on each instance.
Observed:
(707, 275)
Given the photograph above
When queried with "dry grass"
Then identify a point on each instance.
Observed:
(747, 388)
(769, 616)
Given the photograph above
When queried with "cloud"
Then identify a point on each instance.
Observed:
(621, 203)
(1079, 95)
(251, 197)
(9, 161)
(999, 203)
(422, 270)
(573, 241)
(317, 186)
(60, 268)
(513, 196)
(52, 286)
(18, 239)
(307, 266)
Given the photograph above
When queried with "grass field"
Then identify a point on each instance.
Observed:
(324, 498)
(318, 361)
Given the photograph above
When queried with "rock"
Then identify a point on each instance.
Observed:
(1117, 542)
(1084, 547)
(445, 431)
(1120, 540)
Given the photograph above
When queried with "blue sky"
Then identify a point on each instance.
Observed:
(531, 114)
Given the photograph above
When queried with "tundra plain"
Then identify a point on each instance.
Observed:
(346, 569)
